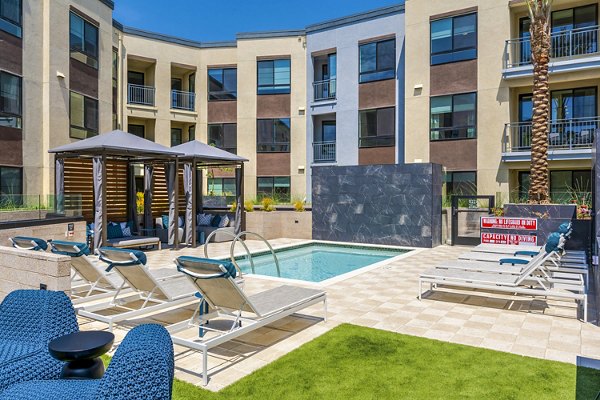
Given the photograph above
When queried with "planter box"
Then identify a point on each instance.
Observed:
(280, 224)
(214, 201)
(549, 217)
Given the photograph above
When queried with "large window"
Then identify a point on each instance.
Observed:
(454, 116)
(176, 136)
(84, 116)
(274, 76)
(223, 136)
(84, 41)
(454, 39)
(377, 61)
(276, 187)
(222, 84)
(11, 184)
(137, 130)
(564, 185)
(377, 127)
(10, 100)
(461, 183)
(115, 87)
(221, 186)
(273, 135)
(11, 17)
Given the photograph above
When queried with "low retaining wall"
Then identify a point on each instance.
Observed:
(280, 224)
(25, 269)
(20, 215)
(44, 229)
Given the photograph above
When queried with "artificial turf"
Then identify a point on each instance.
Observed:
(352, 362)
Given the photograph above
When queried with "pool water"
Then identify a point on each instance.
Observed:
(316, 262)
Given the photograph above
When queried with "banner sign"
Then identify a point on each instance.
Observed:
(506, 238)
(526, 224)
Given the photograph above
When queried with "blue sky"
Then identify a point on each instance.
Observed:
(220, 20)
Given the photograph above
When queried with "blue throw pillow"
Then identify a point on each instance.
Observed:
(165, 221)
(215, 221)
(553, 242)
(564, 227)
(113, 231)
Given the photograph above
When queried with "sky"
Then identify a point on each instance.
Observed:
(203, 20)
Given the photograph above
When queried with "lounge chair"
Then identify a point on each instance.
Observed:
(528, 282)
(28, 243)
(142, 368)
(95, 283)
(29, 320)
(157, 289)
(222, 298)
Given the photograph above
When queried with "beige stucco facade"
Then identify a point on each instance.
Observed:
(497, 97)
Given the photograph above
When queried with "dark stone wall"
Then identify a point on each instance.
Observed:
(549, 218)
(380, 204)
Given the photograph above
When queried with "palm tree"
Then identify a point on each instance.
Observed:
(539, 14)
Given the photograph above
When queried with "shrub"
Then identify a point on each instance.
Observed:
(249, 205)
(268, 204)
(139, 202)
(299, 205)
(233, 207)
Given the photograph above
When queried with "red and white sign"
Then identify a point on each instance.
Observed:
(526, 224)
(507, 238)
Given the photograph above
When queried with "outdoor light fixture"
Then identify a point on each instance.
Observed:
(419, 86)
(60, 75)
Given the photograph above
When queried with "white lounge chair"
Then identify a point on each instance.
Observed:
(158, 289)
(528, 282)
(94, 282)
(28, 243)
(222, 298)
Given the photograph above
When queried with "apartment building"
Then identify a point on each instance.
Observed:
(355, 87)
(469, 74)
(55, 62)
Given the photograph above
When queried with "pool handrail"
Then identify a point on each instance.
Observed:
(246, 233)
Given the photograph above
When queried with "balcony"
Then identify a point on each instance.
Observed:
(324, 152)
(568, 139)
(183, 100)
(570, 50)
(324, 90)
(141, 95)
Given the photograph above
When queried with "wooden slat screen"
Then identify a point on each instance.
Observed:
(116, 191)
(160, 197)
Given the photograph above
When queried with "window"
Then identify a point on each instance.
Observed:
(11, 17)
(377, 61)
(274, 77)
(115, 87)
(461, 183)
(574, 103)
(563, 185)
(377, 128)
(454, 39)
(273, 135)
(137, 130)
(135, 78)
(454, 116)
(222, 84)
(176, 136)
(276, 187)
(192, 133)
(223, 136)
(10, 100)
(11, 184)
(84, 41)
(84, 116)
(221, 186)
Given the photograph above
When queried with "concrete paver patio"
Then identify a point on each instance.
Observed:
(386, 298)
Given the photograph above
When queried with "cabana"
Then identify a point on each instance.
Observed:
(112, 158)
(197, 156)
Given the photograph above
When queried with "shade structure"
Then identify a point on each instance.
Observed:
(117, 143)
(112, 145)
(198, 154)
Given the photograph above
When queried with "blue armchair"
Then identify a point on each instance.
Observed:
(29, 319)
(142, 369)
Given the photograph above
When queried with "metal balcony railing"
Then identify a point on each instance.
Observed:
(183, 100)
(324, 152)
(565, 45)
(138, 94)
(564, 134)
(324, 90)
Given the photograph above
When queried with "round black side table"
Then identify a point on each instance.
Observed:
(82, 351)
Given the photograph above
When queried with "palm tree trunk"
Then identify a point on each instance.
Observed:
(540, 49)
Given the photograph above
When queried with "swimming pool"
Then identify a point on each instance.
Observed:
(316, 262)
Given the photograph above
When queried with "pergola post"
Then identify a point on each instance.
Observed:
(99, 176)
(59, 185)
(176, 200)
(188, 182)
(148, 172)
(104, 216)
(240, 217)
(194, 211)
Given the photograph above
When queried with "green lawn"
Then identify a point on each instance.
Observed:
(352, 362)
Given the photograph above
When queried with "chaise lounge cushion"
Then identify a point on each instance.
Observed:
(132, 241)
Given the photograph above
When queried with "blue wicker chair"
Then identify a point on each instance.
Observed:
(142, 369)
(29, 319)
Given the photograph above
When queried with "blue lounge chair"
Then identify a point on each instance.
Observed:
(28, 243)
(142, 369)
(29, 319)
